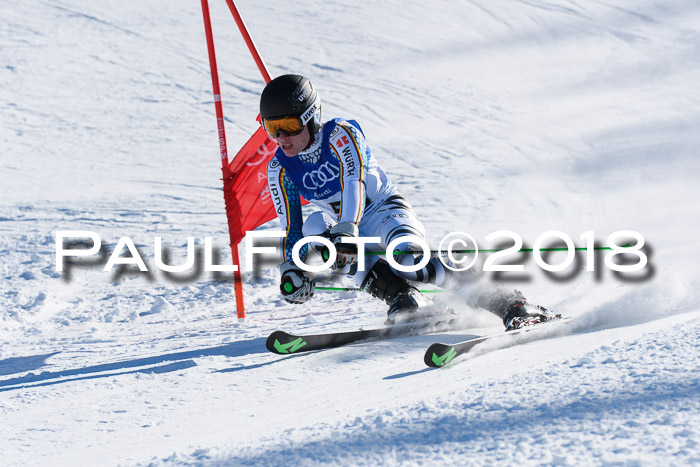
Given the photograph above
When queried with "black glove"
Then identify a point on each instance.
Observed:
(295, 286)
(347, 252)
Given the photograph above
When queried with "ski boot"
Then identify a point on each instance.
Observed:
(405, 306)
(403, 299)
(519, 313)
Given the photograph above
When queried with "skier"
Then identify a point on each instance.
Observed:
(331, 165)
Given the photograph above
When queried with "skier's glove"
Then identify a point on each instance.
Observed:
(295, 286)
(347, 252)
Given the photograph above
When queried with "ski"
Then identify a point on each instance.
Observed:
(439, 355)
(284, 343)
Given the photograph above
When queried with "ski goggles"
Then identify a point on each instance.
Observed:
(290, 126)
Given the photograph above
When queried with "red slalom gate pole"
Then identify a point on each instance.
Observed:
(237, 282)
(248, 40)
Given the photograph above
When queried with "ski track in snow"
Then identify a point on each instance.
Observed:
(639, 389)
(518, 115)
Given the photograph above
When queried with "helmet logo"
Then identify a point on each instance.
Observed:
(308, 113)
(301, 93)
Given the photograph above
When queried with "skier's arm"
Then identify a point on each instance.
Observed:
(287, 203)
(350, 148)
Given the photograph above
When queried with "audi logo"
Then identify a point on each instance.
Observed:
(318, 178)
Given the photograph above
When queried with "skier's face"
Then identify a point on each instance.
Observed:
(293, 145)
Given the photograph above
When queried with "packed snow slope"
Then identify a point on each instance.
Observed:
(527, 116)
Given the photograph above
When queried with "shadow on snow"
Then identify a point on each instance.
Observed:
(156, 364)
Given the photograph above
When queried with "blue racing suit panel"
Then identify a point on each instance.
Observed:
(337, 173)
(287, 202)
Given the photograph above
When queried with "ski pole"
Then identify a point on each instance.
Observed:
(357, 289)
(522, 250)
(325, 254)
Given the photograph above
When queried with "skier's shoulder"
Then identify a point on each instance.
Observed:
(338, 128)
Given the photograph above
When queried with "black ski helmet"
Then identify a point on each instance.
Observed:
(292, 96)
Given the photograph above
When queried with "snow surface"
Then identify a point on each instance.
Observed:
(521, 115)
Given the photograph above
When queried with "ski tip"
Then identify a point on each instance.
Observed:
(439, 355)
(269, 343)
(282, 343)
